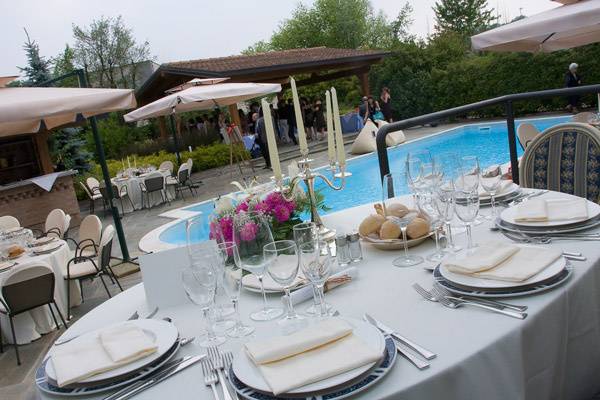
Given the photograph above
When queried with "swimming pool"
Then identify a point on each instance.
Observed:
(489, 141)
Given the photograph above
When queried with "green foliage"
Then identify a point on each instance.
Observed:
(38, 68)
(466, 17)
(67, 147)
(64, 64)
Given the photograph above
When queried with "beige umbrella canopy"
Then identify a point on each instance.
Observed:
(22, 110)
(202, 97)
(574, 24)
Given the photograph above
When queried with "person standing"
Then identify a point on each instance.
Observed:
(261, 137)
(373, 106)
(293, 127)
(319, 120)
(309, 119)
(283, 121)
(386, 104)
(572, 79)
(363, 109)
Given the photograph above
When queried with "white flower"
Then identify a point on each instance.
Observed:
(224, 205)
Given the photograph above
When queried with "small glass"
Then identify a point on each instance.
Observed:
(315, 260)
(427, 205)
(355, 247)
(284, 261)
(467, 208)
(342, 250)
(490, 181)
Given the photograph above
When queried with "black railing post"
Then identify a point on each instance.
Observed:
(512, 141)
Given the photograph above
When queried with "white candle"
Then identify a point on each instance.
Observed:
(330, 132)
(341, 153)
(271, 142)
(299, 121)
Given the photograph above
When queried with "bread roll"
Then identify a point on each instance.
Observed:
(389, 230)
(371, 224)
(396, 210)
(417, 228)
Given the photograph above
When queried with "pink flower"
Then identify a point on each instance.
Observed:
(282, 213)
(248, 231)
(243, 206)
(262, 207)
(226, 226)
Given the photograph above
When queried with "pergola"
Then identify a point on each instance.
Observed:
(318, 64)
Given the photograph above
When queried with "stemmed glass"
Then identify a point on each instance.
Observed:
(200, 283)
(490, 180)
(468, 176)
(283, 259)
(251, 232)
(232, 283)
(315, 259)
(444, 201)
(303, 233)
(467, 208)
(428, 206)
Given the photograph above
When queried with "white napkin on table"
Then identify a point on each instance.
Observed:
(484, 257)
(521, 266)
(540, 210)
(310, 355)
(76, 361)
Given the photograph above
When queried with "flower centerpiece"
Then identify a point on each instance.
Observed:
(283, 212)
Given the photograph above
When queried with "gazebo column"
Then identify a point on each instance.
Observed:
(364, 83)
(41, 143)
(162, 126)
(235, 115)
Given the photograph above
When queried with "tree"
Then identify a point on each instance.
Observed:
(65, 64)
(108, 52)
(466, 17)
(38, 68)
(68, 150)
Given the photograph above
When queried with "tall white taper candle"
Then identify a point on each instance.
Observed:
(337, 123)
(299, 120)
(330, 131)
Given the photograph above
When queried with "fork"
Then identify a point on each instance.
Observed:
(455, 302)
(493, 303)
(210, 378)
(228, 360)
(217, 363)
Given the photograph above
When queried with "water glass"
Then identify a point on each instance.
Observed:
(467, 208)
(232, 283)
(316, 260)
(468, 174)
(284, 262)
(251, 232)
(200, 284)
(427, 205)
(490, 180)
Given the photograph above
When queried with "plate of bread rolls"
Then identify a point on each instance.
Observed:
(382, 231)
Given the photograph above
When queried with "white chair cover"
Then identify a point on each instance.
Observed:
(526, 133)
(8, 222)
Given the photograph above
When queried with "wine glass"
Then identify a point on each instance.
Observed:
(427, 205)
(251, 232)
(468, 176)
(315, 260)
(200, 283)
(467, 208)
(444, 200)
(308, 232)
(232, 283)
(490, 180)
(283, 259)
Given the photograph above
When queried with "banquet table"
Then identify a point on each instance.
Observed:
(30, 325)
(134, 190)
(553, 354)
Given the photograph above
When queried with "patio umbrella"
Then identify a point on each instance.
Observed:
(564, 27)
(31, 109)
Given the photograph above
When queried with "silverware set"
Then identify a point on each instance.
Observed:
(523, 197)
(453, 301)
(215, 369)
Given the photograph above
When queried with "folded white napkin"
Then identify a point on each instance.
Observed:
(251, 281)
(484, 257)
(310, 355)
(524, 264)
(504, 184)
(540, 210)
(76, 361)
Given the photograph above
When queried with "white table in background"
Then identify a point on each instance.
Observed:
(30, 325)
(553, 354)
(135, 192)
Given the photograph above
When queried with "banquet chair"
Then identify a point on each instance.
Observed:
(155, 182)
(119, 193)
(9, 222)
(92, 197)
(85, 267)
(526, 133)
(166, 166)
(583, 117)
(90, 231)
(193, 184)
(564, 158)
(93, 184)
(182, 180)
(57, 224)
(25, 289)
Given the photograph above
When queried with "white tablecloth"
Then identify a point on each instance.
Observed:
(29, 325)
(553, 354)
(135, 192)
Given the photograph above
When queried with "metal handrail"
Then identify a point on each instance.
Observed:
(507, 100)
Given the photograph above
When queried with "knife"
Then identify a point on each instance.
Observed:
(171, 370)
(428, 355)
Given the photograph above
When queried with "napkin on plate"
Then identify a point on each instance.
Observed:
(540, 210)
(484, 257)
(77, 360)
(310, 355)
(251, 281)
(504, 184)
(524, 264)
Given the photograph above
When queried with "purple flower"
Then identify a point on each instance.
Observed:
(248, 231)
(282, 213)
(262, 207)
(243, 206)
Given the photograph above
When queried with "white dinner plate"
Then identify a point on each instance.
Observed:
(510, 189)
(247, 372)
(47, 248)
(43, 240)
(509, 214)
(480, 283)
(163, 333)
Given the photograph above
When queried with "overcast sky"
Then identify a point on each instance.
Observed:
(184, 29)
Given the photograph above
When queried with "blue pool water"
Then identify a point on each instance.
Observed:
(488, 141)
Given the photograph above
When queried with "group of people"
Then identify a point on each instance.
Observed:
(371, 109)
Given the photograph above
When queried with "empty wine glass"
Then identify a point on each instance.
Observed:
(251, 232)
(283, 259)
(200, 283)
(315, 260)
(427, 205)
(468, 176)
(490, 180)
(467, 208)
(232, 283)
